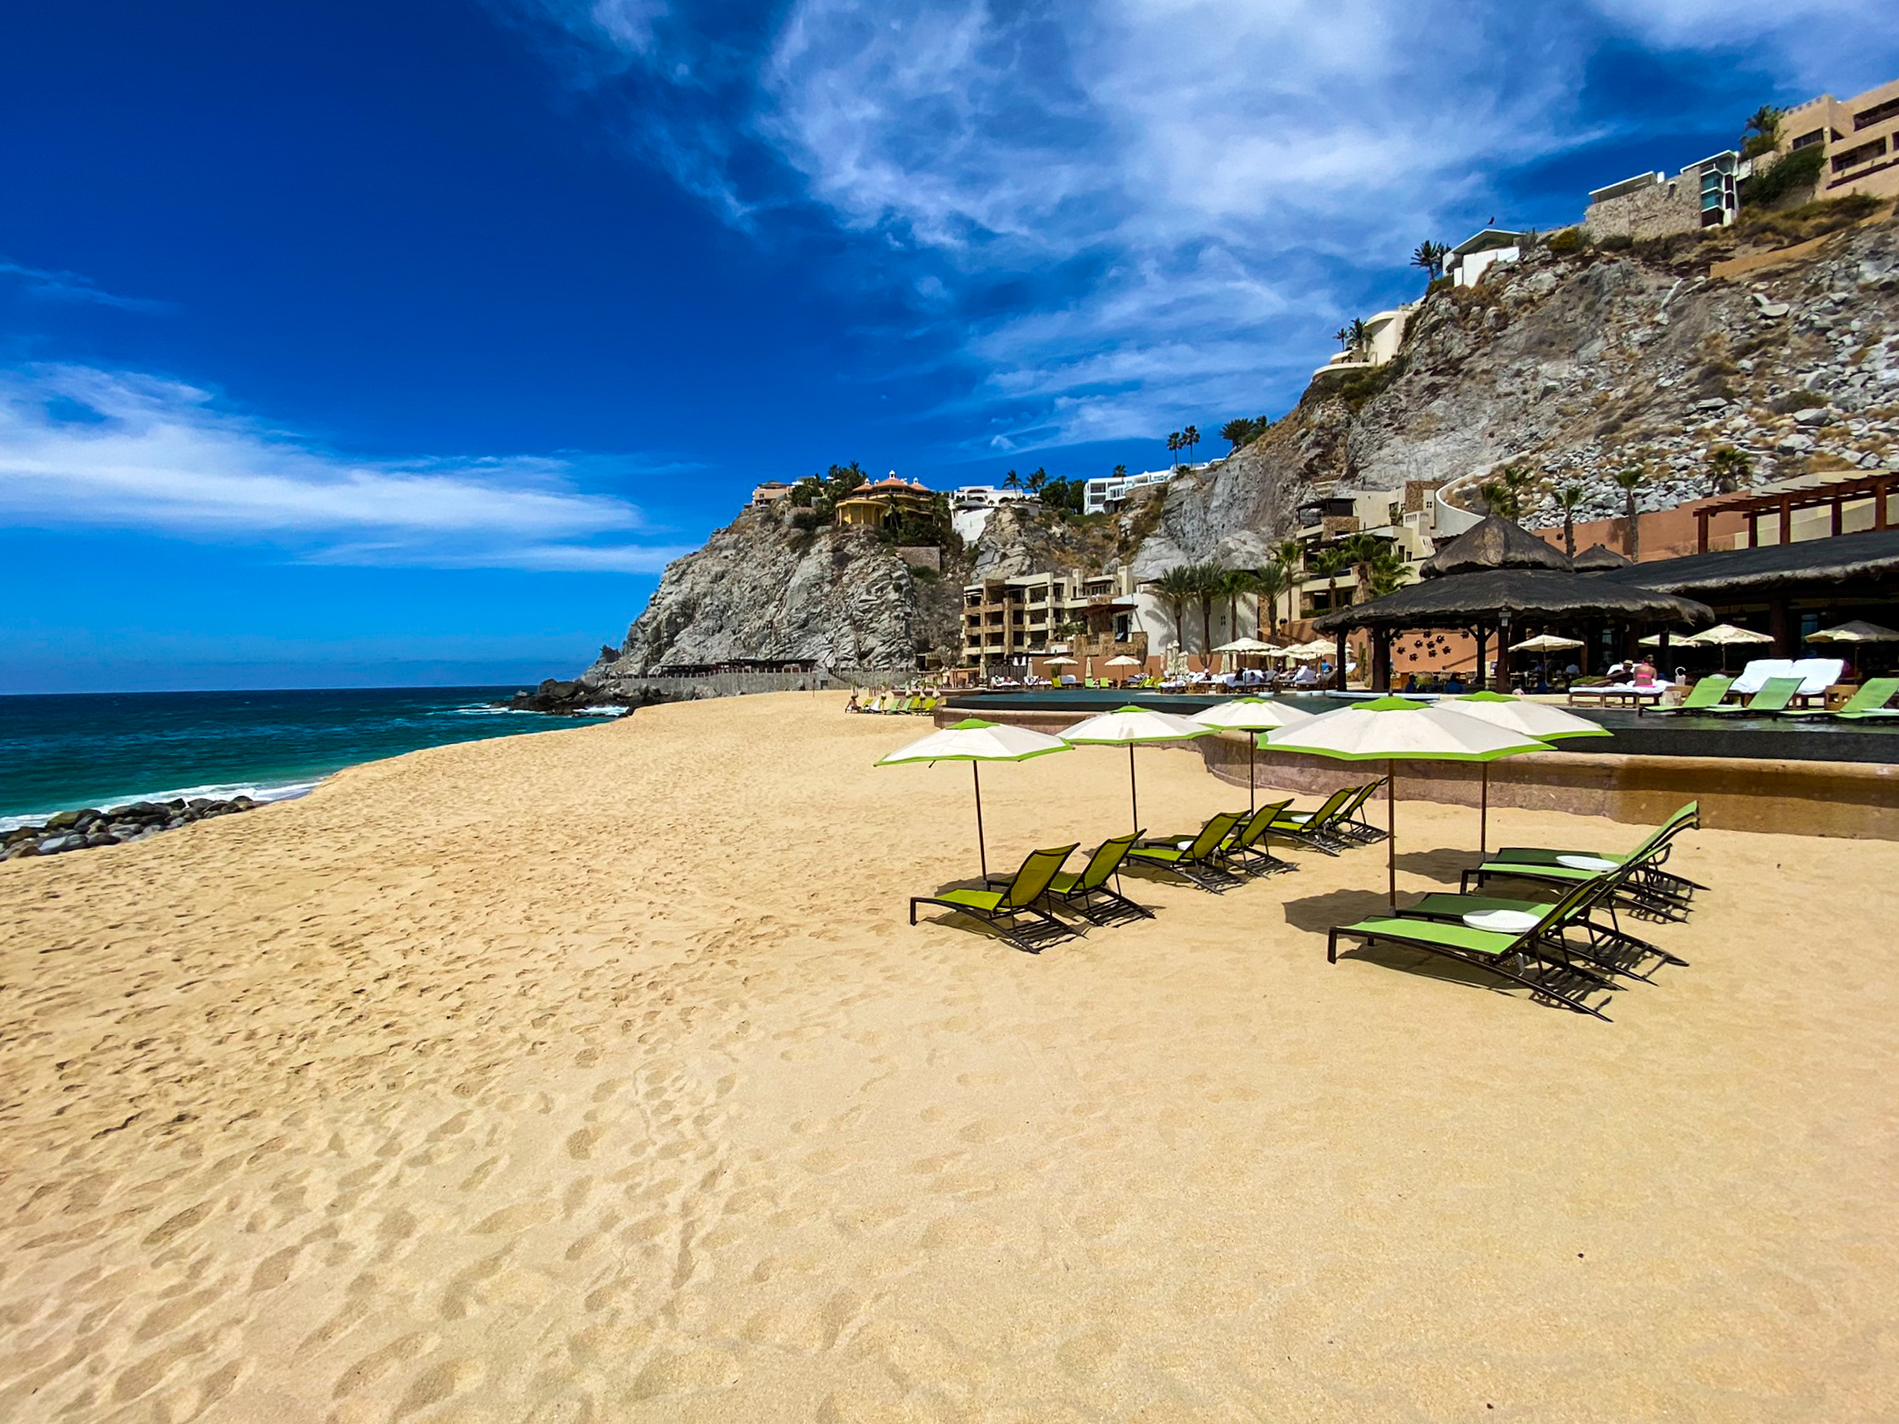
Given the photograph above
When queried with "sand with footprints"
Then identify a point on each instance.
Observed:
(596, 1076)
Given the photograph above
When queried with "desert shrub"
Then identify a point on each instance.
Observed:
(1354, 388)
(1616, 242)
(1798, 400)
(1787, 176)
(1568, 242)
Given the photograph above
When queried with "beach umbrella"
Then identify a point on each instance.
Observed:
(1532, 719)
(1251, 715)
(976, 741)
(1124, 661)
(1246, 645)
(1654, 640)
(1059, 662)
(1545, 643)
(1725, 636)
(1131, 726)
(1395, 729)
(1854, 632)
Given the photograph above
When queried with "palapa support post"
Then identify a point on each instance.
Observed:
(1391, 829)
(982, 849)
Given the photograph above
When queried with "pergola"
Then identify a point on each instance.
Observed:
(1807, 492)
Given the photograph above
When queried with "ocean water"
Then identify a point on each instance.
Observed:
(59, 752)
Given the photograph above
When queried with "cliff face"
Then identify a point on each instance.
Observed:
(1578, 366)
(1581, 367)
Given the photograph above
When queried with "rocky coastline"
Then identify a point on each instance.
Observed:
(92, 827)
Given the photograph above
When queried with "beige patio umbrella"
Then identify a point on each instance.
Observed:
(1855, 632)
(1129, 726)
(1532, 719)
(1545, 643)
(1251, 715)
(1725, 636)
(974, 740)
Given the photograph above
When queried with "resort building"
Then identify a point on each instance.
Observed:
(769, 493)
(1384, 335)
(990, 497)
(1405, 518)
(1474, 256)
(1704, 194)
(1030, 616)
(1101, 496)
(1858, 137)
(870, 505)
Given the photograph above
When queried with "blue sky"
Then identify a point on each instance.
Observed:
(401, 342)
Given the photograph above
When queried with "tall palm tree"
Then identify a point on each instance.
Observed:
(1190, 437)
(1360, 338)
(1038, 481)
(1328, 563)
(1174, 442)
(1430, 256)
(1120, 472)
(1269, 581)
(1343, 336)
(1569, 499)
(1012, 480)
(1236, 584)
(1728, 469)
(1209, 585)
(1631, 480)
(1362, 553)
(1290, 555)
(1174, 588)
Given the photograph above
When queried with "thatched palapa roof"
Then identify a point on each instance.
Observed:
(1810, 565)
(1600, 559)
(1494, 544)
(1525, 595)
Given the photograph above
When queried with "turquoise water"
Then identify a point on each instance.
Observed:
(60, 752)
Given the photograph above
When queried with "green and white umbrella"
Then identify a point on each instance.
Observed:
(976, 741)
(1130, 726)
(1395, 729)
(1251, 715)
(1532, 719)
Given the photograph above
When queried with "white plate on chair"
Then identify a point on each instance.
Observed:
(1503, 921)
(1585, 862)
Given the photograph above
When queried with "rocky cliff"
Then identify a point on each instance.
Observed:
(1577, 365)
(1580, 366)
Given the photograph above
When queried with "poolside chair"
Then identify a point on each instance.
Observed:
(1249, 841)
(1773, 697)
(1536, 956)
(1868, 704)
(1351, 822)
(1315, 829)
(1012, 911)
(1199, 861)
(1703, 695)
(1089, 895)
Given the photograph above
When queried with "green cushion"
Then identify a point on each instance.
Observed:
(1429, 932)
(986, 900)
(1448, 902)
(1167, 853)
(1554, 872)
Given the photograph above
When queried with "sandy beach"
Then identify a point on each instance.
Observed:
(597, 1076)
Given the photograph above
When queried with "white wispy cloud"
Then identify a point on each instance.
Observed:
(50, 285)
(82, 446)
(1178, 196)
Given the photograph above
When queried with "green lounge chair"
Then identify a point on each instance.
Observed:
(1536, 957)
(1639, 883)
(1012, 911)
(1249, 841)
(1868, 704)
(1687, 818)
(1607, 946)
(1703, 695)
(1351, 822)
(1199, 861)
(1316, 829)
(1088, 893)
(1774, 696)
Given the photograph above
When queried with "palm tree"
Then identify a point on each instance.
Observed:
(1190, 437)
(1209, 585)
(1361, 553)
(1290, 555)
(1269, 581)
(1012, 480)
(1728, 469)
(1328, 563)
(1237, 432)
(1360, 335)
(1762, 131)
(1568, 499)
(1037, 481)
(1174, 442)
(1236, 584)
(1174, 588)
(1343, 336)
(1387, 573)
(1120, 472)
(1631, 480)
(1430, 256)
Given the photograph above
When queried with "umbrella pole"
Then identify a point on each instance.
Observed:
(1252, 751)
(1134, 795)
(1483, 814)
(1391, 828)
(982, 850)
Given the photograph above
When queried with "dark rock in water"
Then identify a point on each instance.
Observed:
(198, 803)
(564, 697)
(71, 820)
(18, 834)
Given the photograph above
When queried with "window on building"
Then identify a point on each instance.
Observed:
(1853, 157)
(1807, 140)
(1878, 114)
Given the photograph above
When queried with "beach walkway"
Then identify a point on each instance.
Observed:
(595, 1076)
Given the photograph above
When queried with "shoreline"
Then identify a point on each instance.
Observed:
(604, 1077)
